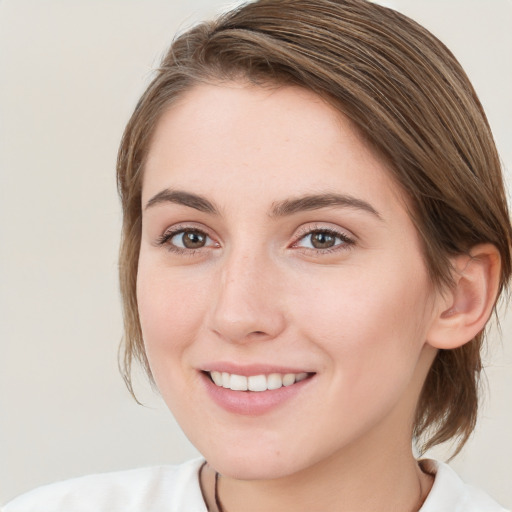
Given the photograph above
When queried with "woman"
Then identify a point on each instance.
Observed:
(315, 236)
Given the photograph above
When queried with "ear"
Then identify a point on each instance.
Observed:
(463, 310)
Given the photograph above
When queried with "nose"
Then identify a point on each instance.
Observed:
(248, 304)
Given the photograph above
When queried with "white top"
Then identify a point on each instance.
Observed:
(176, 489)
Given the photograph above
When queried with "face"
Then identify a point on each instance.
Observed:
(283, 297)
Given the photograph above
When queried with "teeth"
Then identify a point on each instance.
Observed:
(238, 382)
(288, 379)
(274, 381)
(217, 378)
(301, 376)
(255, 382)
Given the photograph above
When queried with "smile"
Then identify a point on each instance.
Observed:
(254, 390)
(256, 383)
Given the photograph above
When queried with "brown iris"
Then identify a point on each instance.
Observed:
(322, 240)
(193, 239)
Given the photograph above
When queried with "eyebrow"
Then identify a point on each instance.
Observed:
(319, 201)
(183, 198)
(279, 209)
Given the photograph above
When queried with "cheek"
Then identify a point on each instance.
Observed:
(170, 309)
(366, 321)
(372, 331)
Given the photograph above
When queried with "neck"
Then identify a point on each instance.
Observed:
(392, 482)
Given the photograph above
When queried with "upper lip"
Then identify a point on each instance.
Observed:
(252, 369)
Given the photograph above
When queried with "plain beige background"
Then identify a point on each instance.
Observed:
(70, 74)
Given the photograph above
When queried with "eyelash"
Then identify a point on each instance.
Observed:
(346, 241)
(166, 238)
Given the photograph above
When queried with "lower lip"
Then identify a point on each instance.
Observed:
(252, 403)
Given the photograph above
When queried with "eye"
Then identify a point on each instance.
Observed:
(324, 240)
(185, 240)
(321, 240)
(189, 239)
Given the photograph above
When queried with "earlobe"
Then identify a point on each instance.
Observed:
(464, 309)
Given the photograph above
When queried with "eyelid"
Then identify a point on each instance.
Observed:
(165, 238)
(313, 227)
(348, 238)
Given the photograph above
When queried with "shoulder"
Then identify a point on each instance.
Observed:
(154, 489)
(450, 494)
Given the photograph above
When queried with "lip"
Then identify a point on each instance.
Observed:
(252, 403)
(252, 369)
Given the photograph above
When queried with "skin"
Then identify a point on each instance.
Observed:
(357, 315)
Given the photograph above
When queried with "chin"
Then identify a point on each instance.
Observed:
(262, 464)
(244, 468)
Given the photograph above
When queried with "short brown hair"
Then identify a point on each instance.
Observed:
(409, 98)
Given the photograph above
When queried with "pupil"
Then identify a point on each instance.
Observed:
(193, 240)
(322, 240)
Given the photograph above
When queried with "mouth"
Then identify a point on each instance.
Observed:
(256, 389)
(256, 383)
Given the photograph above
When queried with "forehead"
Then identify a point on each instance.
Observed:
(265, 143)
